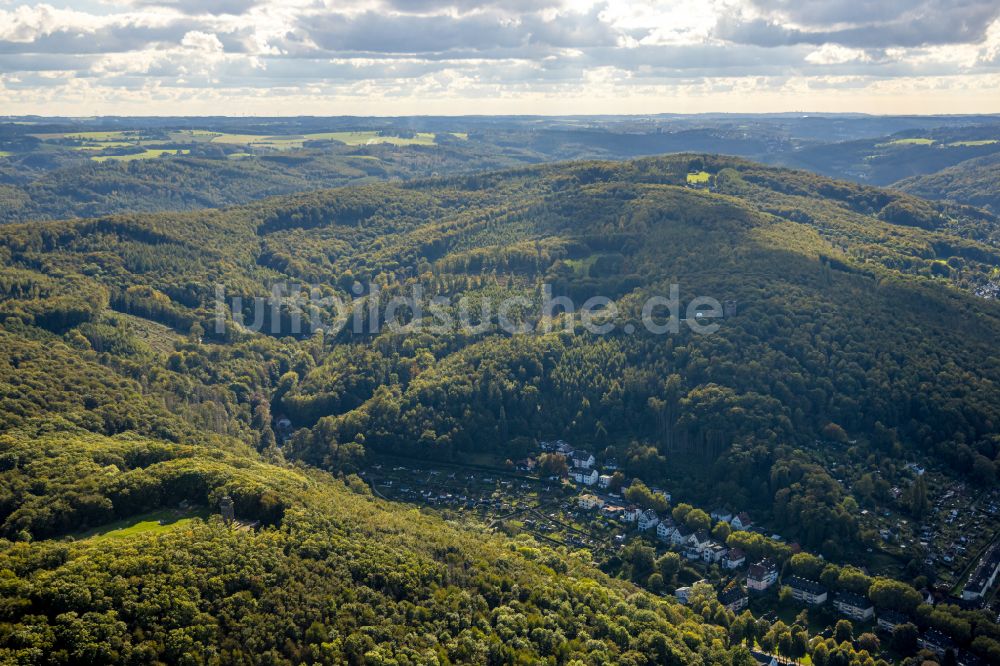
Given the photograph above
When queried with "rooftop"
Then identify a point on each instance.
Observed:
(804, 584)
(854, 600)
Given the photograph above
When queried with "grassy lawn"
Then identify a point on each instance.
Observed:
(149, 523)
(149, 153)
(698, 177)
(4, 153)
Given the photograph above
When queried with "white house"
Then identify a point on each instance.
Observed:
(604, 480)
(713, 553)
(584, 476)
(699, 540)
(648, 519)
(664, 531)
(735, 559)
(680, 536)
(589, 502)
(742, 522)
(582, 459)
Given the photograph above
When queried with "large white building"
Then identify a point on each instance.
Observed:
(806, 591)
(762, 575)
(854, 606)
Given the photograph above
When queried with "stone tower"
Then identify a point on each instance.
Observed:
(227, 508)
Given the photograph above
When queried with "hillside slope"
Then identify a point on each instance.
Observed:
(854, 309)
(975, 182)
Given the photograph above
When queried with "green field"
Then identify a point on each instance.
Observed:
(149, 523)
(4, 153)
(916, 141)
(698, 177)
(981, 142)
(365, 138)
(349, 138)
(88, 136)
(103, 145)
(145, 155)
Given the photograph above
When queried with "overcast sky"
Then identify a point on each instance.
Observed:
(395, 57)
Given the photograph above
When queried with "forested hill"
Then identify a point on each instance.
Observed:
(35, 187)
(855, 310)
(975, 182)
(854, 332)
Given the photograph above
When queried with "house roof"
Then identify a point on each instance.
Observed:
(732, 594)
(701, 535)
(737, 554)
(937, 638)
(804, 584)
(760, 569)
(853, 600)
(892, 617)
(744, 518)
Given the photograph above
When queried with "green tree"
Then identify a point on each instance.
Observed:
(843, 631)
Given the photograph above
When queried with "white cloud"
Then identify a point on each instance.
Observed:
(834, 54)
(202, 41)
(618, 55)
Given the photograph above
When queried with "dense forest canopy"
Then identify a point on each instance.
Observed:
(853, 324)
